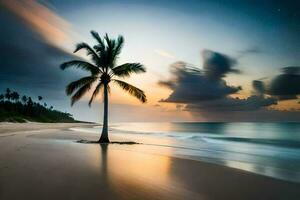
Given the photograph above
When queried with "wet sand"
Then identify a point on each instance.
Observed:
(47, 163)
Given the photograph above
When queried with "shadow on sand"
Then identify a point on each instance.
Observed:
(114, 142)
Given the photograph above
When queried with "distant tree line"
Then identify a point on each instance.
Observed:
(21, 108)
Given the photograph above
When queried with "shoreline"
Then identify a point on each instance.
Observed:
(49, 160)
(12, 128)
(207, 152)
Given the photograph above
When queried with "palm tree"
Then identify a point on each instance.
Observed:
(8, 94)
(30, 102)
(103, 69)
(1, 97)
(24, 99)
(15, 96)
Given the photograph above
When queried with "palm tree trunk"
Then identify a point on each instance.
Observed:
(104, 135)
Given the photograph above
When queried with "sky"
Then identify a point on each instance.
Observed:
(230, 60)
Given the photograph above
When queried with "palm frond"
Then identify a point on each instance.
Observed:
(82, 65)
(100, 48)
(108, 49)
(103, 56)
(80, 92)
(109, 42)
(99, 40)
(96, 91)
(71, 87)
(127, 69)
(90, 51)
(110, 60)
(134, 91)
(118, 47)
(104, 60)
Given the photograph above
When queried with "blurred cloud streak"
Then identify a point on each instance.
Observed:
(41, 19)
(164, 53)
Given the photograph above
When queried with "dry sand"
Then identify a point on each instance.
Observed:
(9, 128)
(42, 161)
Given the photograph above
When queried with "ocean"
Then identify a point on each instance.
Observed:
(270, 149)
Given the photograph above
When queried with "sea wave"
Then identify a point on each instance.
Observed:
(207, 137)
(281, 143)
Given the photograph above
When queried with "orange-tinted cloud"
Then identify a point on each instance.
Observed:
(41, 19)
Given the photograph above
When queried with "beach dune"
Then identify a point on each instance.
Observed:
(45, 162)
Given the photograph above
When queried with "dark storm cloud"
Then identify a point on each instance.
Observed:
(206, 90)
(283, 86)
(226, 104)
(190, 84)
(217, 65)
(291, 70)
(258, 86)
(286, 85)
(27, 61)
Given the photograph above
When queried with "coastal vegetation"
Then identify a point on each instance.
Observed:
(15, 107)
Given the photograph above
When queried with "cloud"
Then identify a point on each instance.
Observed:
(228, 104)
(286, 85)
(283, 86)
(249, 51)
(164, 53)
(263, 115)
(28, 59)
(217, 65)
(206, 90)
(190, 84)
(179, 107)
(40, 19)
(258, 86)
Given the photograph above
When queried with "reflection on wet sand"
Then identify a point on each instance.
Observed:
(127, 174)
(131, 175)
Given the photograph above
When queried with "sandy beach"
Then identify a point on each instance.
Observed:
(43, 161)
